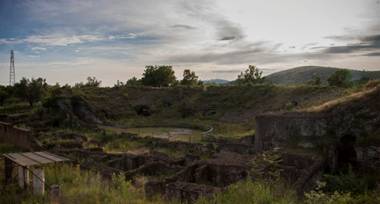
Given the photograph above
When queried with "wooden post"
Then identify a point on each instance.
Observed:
(23, 177)
(8, 167)
(26, 178)
(38, 181)
(54, 194)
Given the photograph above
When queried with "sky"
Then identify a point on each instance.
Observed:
(67, 40)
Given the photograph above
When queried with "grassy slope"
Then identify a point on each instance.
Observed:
(304, 74)
(225, 104)
(229, 110)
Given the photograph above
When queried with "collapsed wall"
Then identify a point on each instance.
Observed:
(344, 129)
(16, 136)
(300, 129)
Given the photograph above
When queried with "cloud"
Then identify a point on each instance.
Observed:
(230, 71)
(237, 54)
(128, 36)
(227, 38)
(63, 40)
(53, 40)
(183, 26)
(227, 30)
(224, 29)
(38, 49)
(366, 43)
(372, 54)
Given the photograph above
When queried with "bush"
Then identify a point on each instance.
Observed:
(341, 78)
(250, 76)
(252, 192)
(158, 76)
(349, 183)
(318, 196)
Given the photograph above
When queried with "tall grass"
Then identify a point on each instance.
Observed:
(87, 187)
(79, 187)
(252, 193)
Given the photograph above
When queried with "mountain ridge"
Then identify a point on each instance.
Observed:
(304, 74)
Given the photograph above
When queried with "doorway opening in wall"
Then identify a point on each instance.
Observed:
(346, 153)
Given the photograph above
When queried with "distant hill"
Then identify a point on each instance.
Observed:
(216, 81)
(304, 74)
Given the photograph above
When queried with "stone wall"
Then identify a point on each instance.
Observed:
(16, 136)
(301, 129)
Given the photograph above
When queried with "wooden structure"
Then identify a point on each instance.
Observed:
(29, 164)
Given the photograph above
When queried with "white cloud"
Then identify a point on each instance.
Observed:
(62, 39)
(51, 40)
(38, 49)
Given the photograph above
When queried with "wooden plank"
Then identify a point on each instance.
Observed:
(34, 158)
(37, 158)
(20, 159)
(51, 156)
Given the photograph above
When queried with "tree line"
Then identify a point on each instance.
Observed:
(32, 90)
(164, 76)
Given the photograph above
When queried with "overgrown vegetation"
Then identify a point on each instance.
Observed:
(341, 78)
(247, 192)
(251, 76)
(160, 76)
(227, 111)
(79, 186)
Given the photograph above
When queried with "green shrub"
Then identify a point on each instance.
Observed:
(349, 183)
(252, 193)
(84, 187)
(319, 196)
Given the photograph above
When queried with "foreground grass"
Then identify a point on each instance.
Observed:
(249, 192)
(82, 187)
(87, 187)
(252, 192)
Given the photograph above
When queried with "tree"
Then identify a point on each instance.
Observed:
(158, 76)
(93, 82)
(30, 90)
(133, 82)
(341, 78)
(4, 94)
(54, 90)
(189, 78)
(316, 80)
(250, 76)
(118, 84)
